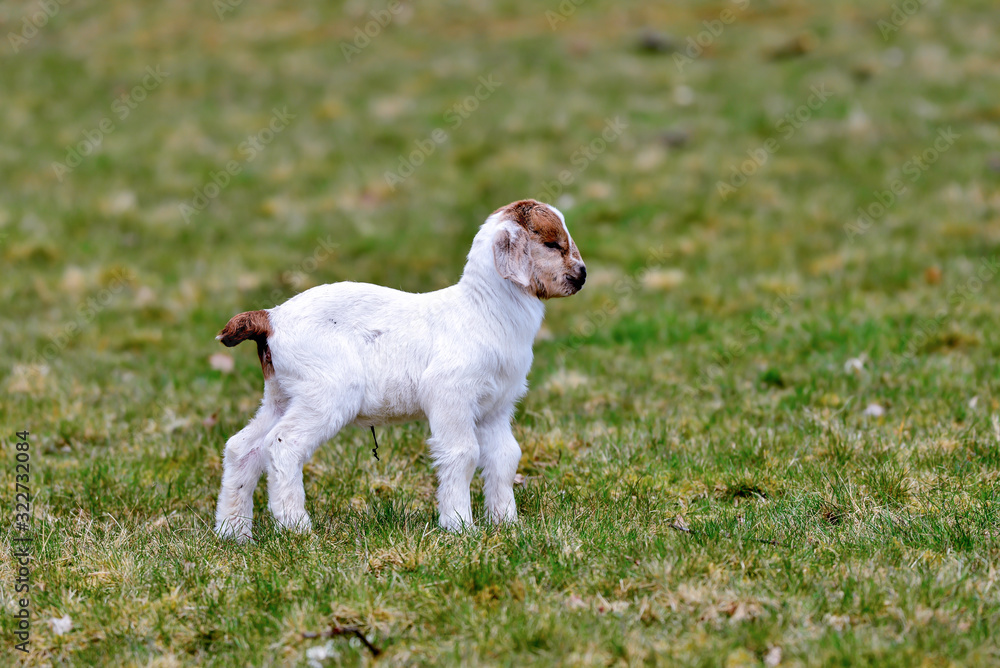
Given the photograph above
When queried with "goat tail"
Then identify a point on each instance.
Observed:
(255, 326)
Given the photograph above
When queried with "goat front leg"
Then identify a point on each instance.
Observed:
(455, 452)
(499, 457)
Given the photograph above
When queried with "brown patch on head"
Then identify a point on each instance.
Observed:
(255, 326)
(538, 219)
(557, 270)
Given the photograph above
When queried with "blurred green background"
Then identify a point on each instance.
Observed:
(789, 213)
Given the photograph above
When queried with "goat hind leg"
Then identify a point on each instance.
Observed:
(246, 457)
(291, 443)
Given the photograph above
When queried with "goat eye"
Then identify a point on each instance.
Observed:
(553, 244)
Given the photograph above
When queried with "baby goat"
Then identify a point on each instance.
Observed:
(354, 353)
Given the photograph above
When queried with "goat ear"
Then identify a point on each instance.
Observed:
(511, 257)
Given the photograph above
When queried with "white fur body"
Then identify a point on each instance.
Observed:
(396, 351)
(354, 353)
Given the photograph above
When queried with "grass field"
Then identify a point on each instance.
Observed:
(767, 432)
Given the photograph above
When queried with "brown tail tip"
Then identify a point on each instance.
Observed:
(253, 325)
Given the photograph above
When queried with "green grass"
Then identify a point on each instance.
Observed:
(701, 381)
